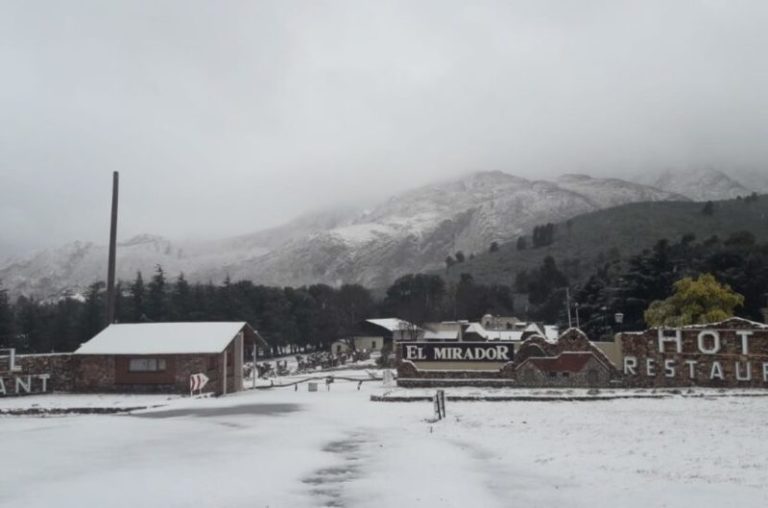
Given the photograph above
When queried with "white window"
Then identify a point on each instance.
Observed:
(146, 365)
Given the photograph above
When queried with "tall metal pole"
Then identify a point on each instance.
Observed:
(568, 305)
(112, 251)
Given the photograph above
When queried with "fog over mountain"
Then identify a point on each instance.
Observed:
(410, 232)
(228, 118)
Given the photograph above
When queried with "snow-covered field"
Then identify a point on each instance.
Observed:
(286, 448)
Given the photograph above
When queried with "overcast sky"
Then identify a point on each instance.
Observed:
(227, 117)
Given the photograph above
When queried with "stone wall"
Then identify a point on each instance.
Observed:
(594, 370)
(97, 373)
(731, 354)
(594, 374)
(60, 366)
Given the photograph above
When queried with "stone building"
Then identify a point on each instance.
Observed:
(567, 369)
(732, 353)
(571, 360)
(161, 357)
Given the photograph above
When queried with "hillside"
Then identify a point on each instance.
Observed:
(625, 230)
(410, 232)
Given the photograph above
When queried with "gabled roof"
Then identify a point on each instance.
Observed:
(475, 328)
(166, 338)
(500, 335)
(441, 335)
(504, 335)
(393, 324)
(551, 333)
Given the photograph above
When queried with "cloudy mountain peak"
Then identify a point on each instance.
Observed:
(409, 232)
(701, 184)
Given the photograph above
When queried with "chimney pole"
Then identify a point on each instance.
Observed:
(112, 251)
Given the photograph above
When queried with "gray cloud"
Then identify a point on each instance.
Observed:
(226, 117)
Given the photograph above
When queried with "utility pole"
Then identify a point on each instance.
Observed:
(112, 251)
(578, 324)
(568, 305)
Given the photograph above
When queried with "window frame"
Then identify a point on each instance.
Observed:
(147, 365)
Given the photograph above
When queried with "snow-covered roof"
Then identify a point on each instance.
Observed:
(535, 328)
(441, 335)
(551, 332)
(504, 335)
(393, 324)
(476, 328)
(164, 338)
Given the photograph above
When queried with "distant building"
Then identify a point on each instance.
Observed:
(161, 357)
(509, 332)
(491, 322)
(378, 334)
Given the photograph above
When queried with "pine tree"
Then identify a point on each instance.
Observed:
(181, 299)
(138, 296)
(157, 297)
(6, 319)
(92, 319)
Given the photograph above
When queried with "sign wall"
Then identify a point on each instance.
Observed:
(457, 351)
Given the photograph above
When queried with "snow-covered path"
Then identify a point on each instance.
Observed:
(286, 448)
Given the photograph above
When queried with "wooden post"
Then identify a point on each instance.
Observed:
(224, 373)
(112, 252)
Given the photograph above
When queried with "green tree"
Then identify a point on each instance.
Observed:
(6, 318)
(138, 295)
(181, 299)
(92, 318)
(416, 298)
(157, 296)
(695, 301)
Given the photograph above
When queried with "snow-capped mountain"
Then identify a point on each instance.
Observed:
(411, 232)
(754, 180)
(707, 184)
(701, 184)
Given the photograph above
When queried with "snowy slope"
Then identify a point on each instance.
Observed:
(410, 232)
(417, 230)
(753, 180)
(286, 448)
(702, 184)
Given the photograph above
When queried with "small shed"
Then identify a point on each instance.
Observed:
(161, 357)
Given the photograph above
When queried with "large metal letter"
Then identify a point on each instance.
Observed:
(715, 347)
(630, 363)
(744, 334)
(677, 340)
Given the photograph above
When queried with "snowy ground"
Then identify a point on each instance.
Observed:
(64, 400)
(286, 448)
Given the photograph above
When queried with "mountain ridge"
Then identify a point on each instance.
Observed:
(410, 232)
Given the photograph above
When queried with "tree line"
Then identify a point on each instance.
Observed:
(631, 286)
(291, 319)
